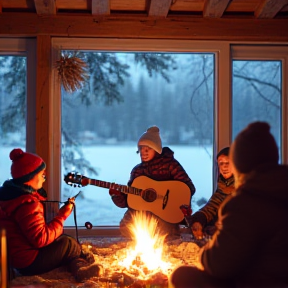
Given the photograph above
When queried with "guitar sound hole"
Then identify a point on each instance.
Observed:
(149, 195)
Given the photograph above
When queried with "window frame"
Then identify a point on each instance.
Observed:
(221, 50)
(270, 52)
(225, 52)
(25, 47)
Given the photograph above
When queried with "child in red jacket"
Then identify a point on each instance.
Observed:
(35, 246)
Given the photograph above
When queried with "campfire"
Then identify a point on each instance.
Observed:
(145, 261)
(145, 256)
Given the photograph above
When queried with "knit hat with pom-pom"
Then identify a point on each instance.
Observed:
(254, 146)
(151, 138)
(25, 165)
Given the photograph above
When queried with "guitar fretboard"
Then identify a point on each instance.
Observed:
(122, 188)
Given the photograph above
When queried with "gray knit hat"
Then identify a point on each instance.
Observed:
(151, 138)
(254, 146)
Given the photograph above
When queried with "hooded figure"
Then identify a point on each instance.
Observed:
(249, 249)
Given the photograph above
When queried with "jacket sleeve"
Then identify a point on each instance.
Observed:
(178, 173)
(31, 220)
(120, 200)
(229, 245)
(210, 209)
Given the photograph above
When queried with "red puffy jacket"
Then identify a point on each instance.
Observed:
(22, 215)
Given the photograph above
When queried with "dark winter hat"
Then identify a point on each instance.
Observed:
(224, 151)
(25, 165)
(151, 138)
(254, 146)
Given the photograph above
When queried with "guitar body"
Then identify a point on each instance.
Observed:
(170, 196)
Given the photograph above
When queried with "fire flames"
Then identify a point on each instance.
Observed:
(145, 256)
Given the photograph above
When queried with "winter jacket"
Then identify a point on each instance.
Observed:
(208, 214)
(162, 167)
(250, 246)
(22, 215)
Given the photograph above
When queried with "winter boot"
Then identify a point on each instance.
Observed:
(87, 255)
(82, 270)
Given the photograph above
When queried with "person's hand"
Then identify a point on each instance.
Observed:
(114, 192)
(66, 209)
(197, 230)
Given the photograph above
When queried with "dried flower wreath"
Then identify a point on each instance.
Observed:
(72, 70)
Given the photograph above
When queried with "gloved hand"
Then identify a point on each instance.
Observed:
(197, 230)
(65, 211)
(114, 192)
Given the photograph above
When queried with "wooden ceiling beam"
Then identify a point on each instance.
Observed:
(269, 8)
(215, 8)
(45, 7)
(159, 8)
(138, 27)
(100, 7)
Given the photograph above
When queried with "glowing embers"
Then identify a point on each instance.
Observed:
(144, 257)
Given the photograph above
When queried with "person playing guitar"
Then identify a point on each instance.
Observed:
(157, 164)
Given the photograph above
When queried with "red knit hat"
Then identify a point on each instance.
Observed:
(25, 165)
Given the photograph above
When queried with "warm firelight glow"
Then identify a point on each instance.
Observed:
(145, 255)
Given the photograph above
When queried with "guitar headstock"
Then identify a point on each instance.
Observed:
(76, 180)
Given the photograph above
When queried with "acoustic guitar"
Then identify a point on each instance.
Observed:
(163, 198)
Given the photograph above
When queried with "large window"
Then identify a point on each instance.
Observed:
(259, 93)
(200, 94)
(16, 59)
(126, 93)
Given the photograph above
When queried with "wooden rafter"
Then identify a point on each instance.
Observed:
(269, 8)
(142, 27)
(215, 8)
(45, 7)
(100, 7)
(159, 8)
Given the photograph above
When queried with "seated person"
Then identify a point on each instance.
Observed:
(203, 221)
(35, 246)
(157, 164)
(249, 248)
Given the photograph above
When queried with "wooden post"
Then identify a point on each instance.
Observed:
(4, 262)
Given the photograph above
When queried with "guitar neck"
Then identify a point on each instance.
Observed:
(121, 188)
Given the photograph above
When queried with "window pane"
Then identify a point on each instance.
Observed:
(257, 95)
(12, 109)
(125, 94)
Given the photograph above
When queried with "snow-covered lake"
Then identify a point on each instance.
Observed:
(114, 164)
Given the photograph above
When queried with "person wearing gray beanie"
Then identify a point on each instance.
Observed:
(249, 248)
(157, 164)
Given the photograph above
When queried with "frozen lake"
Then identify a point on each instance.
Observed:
(114, 164)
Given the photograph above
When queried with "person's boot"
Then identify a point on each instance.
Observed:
(82, 270)
(87, 255)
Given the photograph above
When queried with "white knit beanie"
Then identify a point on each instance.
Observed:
(151, 138)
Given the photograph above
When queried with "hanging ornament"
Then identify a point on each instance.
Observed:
(88, 225)
(72, 70)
